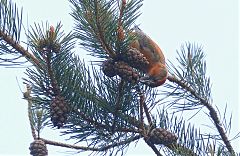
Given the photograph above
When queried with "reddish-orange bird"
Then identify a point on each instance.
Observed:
(156, 69)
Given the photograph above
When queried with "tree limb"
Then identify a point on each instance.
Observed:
(55, 143)
(9, 40)
(212, 111)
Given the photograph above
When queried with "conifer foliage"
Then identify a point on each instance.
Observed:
(105, 106)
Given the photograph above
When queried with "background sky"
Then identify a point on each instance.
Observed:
(213, 24)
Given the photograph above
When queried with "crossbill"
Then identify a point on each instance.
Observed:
(156, 71)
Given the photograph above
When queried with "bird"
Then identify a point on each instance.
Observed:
(156, 71)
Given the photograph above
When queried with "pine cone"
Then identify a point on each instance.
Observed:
(135, 59)
(38, 148)
(162, 136)
(59, 111)
(126, 72)
(108, 68)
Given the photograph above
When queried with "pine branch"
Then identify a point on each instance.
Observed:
(146, 110)
(92, 107)
(118, 104)
(94, 19)
(131, 120)
(10, 30)
(91, 148)
(9, 40)
(143, 108)
(98, 125)
(100, 30)
(97, 23)
(53, 82)
(28, 97)
(142, 115)
(55, 143)
(213, 112)
(10, 19)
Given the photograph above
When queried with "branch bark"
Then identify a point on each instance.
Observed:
(9, 40)
(212, 111)
(55, 143)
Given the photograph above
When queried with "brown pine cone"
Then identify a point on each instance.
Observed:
(162, 136)
(135, 59)
(108, 68)
(59, 111)
(38, 148)
(126, 72)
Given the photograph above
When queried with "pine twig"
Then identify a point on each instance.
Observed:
(123, 5)
(55, 143)
(56, 90)
(212, 111)
(100, 125)
(143, 106)
(141, 116)
(118, 104)
(100, 31)
(142, 100)
(28, 97)
(9, 40)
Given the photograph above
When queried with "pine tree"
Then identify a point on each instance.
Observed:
(104, 104)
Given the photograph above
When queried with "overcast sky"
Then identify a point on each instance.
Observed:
(213, 24)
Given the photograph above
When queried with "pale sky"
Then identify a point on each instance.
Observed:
(213, 24)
